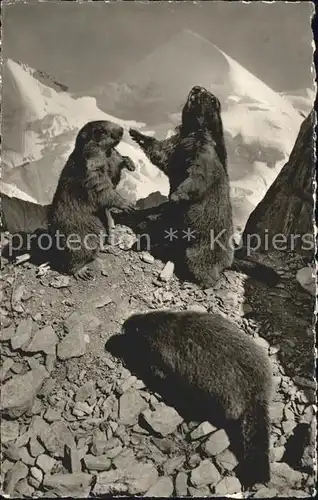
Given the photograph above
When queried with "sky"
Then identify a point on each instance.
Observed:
(87, 44)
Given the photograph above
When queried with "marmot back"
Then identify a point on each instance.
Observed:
(220, 363)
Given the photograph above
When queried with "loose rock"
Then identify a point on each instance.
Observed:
(37, 473)
(102, 302)
(44, 340)
(123, 459)
(23, 334)
(147, 257)
(163, 421)
(99, 442)
(197, 308)
(81, 409)
(18, 393)
(74, 459)
(285, 476)
(73, 345)
(18, 472)
(306, 279)
(206, 473)
(87, 322)
(9, 431)
(24, 489)
(35, 447)
(6, 333)
(217, 442)
(276, 411)
(86, 392)
(47, 387)
(100, 463)
(277, 453)
(60, 282)
(228, 486)
(52, 415)
(173, 464)
(166, 445)
(50, 362)
(136, 479)
(226, 460)
(54, 437)
(25, 456)
(7, 364)
(69, 485)
(11, 452)
(129, 382)
(162, 488)
(34, 483)
(45, 463)
(202, 492)
(181, 484)
(202, 430)
(167, 272)
(305, 382)
(131, 404)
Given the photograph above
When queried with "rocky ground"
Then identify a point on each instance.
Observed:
(76, 422)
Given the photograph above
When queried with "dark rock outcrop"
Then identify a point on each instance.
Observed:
(287, 208)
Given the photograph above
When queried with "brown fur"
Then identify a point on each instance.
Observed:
(195, 160)
(217, 364)
(86, 189)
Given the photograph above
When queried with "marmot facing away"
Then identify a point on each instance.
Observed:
(195, 160)
(216, 364)
(84, 194)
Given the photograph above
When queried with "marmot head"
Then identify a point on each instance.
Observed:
(97, 135)
(147, 323)
(201, 109)
(202, 113)
(133, 324)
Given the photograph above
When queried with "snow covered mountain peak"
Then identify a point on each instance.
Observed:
(40, 123)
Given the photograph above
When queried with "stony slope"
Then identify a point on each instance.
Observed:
(75, 421)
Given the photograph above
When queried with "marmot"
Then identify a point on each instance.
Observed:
(217, 365)
(84, 195)
(195, 160)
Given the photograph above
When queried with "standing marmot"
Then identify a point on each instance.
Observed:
(85, 192)
(210, 362)
(195, 160)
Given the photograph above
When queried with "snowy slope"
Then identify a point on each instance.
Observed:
(302, 100)
(40, 123)
(188, 59)
(260, 125)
